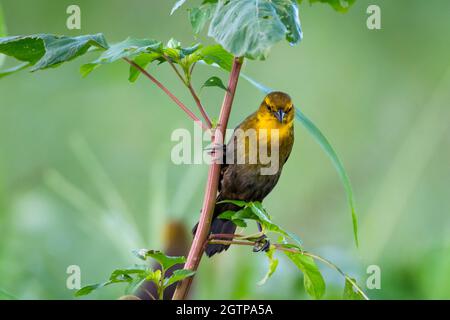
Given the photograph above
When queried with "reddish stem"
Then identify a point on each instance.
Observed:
(191, 89)
(200, 106)
(209, 200)
(170, 94)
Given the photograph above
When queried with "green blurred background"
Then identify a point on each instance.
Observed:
(86, 176)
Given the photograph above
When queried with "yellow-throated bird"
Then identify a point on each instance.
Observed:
(245, 181)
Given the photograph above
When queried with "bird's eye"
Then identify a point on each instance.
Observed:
(269, 108)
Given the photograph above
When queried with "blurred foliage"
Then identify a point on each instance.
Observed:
(380, 95)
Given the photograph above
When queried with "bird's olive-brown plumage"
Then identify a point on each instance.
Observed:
(244, 181)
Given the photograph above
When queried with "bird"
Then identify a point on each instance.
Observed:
(244, 180)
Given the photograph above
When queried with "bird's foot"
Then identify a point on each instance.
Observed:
(262, 244)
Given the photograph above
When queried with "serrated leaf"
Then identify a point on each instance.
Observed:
(350, 292)
(129, 48)
(251, 27)
(273, 264)
(312, 278)
(165, 261)
(326, 146)
(215, 82)
(178, 275)
(43, 51)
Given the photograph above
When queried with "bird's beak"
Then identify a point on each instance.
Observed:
(280, 114)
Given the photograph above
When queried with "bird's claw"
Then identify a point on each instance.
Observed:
(262, 244)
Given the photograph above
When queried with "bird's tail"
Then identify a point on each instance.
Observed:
(219, 226)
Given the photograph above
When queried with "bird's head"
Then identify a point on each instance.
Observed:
(277, 106)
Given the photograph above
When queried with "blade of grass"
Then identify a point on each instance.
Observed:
(326, 146)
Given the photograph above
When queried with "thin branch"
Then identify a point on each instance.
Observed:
(174, 67)
(200, 106)
(212, 184)
(293, 250)
(222, 236)
(188, 84)
(192, 68)
(170, 94)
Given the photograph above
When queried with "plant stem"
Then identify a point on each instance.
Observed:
(200, 106)
(188, 84)
(174, 67)
(209, 200)
(293, 250)
(170, 94)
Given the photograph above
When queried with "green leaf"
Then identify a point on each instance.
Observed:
(326, 146)
(240, 223)
(251, 27)
(190, 50)
(214, 55)
(312, 278)
(255, 211)
(89, 289)
(273, 264)
(227, 215)
(127, 273)
(43, 51)
(214, 82)
(154, 276)
(134, 285)
(350, 291)
(174, 44)
(200, 16)
(143, 60)
(178, 275)
(338, 5)
(165, 261)
(177, 5)
(238, 203)
(130, 48)
(268, 225)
